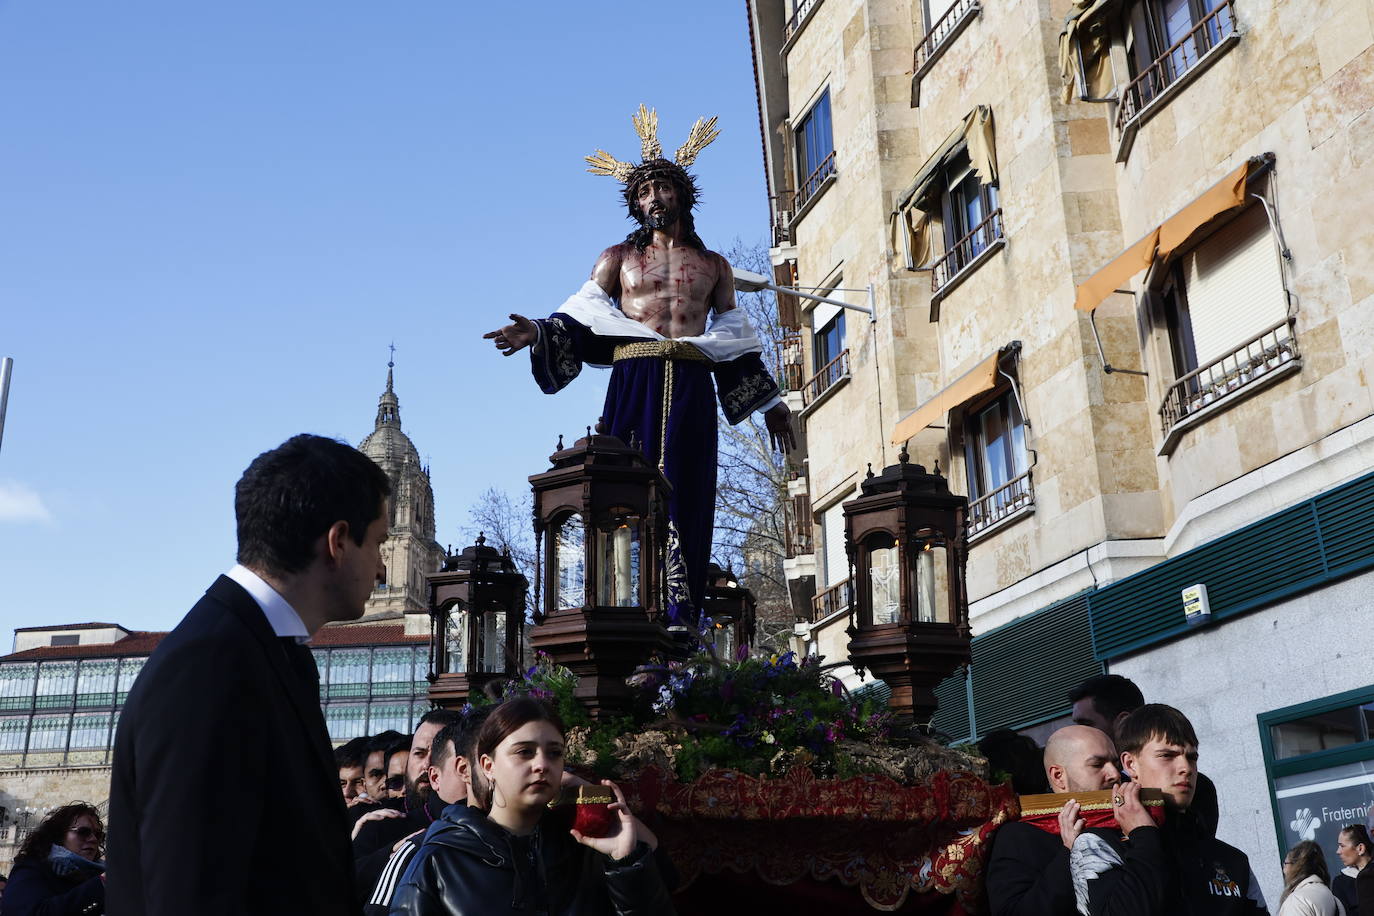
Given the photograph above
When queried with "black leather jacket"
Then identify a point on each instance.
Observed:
(468, 865)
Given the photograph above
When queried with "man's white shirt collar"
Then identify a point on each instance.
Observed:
(279, 613)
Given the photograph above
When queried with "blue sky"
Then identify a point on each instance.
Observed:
(216, 216)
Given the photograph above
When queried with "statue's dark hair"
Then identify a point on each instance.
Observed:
(687, 195)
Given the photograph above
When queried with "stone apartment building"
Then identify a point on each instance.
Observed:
(62, 687)
(1122, 276)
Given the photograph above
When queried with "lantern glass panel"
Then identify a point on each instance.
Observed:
(456, 640)
(617, 547)
(884, 581)
(493, 648)
(570, 562)
(725, 640)
(931, 580)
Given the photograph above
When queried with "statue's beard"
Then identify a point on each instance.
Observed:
(660, 218)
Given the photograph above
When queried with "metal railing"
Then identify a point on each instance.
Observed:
(1251, 361)
(837, 597)
(791, 362)
(1177, 60)
(965, 251)
(831, 372)
(944, 27)
(991, 508)
(800, 540)
(798, 16)
(813, 182)
(783, 211)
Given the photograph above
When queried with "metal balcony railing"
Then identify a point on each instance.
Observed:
(963, 253)
(1180, 57)
(823, 381)
(988, 510)
(813, 182)
(791, 363)
(837, 597)
(1222, 377)
(943, 30)
(799, 532)
(798, 17)
(783, 210)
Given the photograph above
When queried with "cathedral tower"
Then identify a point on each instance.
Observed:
(410, 551)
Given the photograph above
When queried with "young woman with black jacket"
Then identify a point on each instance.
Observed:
(507, 856)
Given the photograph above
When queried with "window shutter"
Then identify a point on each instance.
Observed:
(1235, 287)
(836, 560)
(822, 314)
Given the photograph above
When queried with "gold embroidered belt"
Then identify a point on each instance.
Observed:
(663, 349)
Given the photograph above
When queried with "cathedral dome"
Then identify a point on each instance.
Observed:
(387, 444)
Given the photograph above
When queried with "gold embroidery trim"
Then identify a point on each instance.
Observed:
(662, 349)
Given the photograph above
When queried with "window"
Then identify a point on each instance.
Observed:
(1225, 314)
(389, 715)
(1164, 39)
(13, 730)
(48, 733)
(90, 731)
(345, 722)
(1319, 757)
(828, 352)
(391, 672)
(348, 672)
(71, 639)
(16, 685)
(56, 684)
(836, 557)
(995, 460)
(815, 150)
(128, 673)
(972, 221)
(95, 684)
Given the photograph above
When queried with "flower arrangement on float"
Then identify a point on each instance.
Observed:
(721, 754)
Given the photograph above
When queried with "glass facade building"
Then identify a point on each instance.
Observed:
(63, 712)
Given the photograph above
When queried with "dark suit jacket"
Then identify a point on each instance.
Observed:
(1364, 889)
(1028, 873)
(224, 796)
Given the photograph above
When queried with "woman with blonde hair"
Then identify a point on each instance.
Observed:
(1305, 884)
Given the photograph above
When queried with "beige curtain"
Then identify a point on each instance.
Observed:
(1090, 46)
(916, 218)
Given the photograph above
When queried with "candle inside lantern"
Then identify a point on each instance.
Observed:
(925, 585)
(624, 579)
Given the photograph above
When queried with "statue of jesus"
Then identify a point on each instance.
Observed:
(659, 309)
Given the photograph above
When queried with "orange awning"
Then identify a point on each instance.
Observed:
(1164, 239)
(980, 378)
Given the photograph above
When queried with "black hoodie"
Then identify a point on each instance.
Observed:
(469, 865)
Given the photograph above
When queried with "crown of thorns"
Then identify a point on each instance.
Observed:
(646, 125)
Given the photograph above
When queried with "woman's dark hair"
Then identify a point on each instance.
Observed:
(1019, 757)
(53, 830)
(1307, 860)
(503, 721)
(291, 495)
(1357, 835)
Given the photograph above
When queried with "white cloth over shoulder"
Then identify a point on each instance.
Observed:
(728, 334)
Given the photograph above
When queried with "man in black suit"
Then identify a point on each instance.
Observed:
(233, 692)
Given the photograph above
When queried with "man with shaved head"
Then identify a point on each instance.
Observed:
(1028, 872)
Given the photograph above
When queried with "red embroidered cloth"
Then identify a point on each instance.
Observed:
(909, 848)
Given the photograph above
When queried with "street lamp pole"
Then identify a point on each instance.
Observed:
(6, 367)
(746, 281)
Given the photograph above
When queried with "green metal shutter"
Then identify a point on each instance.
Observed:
(951, 716)
(1023, 671)
(1290, 552)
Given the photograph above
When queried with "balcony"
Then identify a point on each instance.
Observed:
(942, 33)
(825, 382)
(1172, 70)
(964, 256)
(1254, 365)
(783, 211)
(800, 15)
(834, 599)
(798, 532)
(811, 188)
(1011, 500)
(791, 364)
